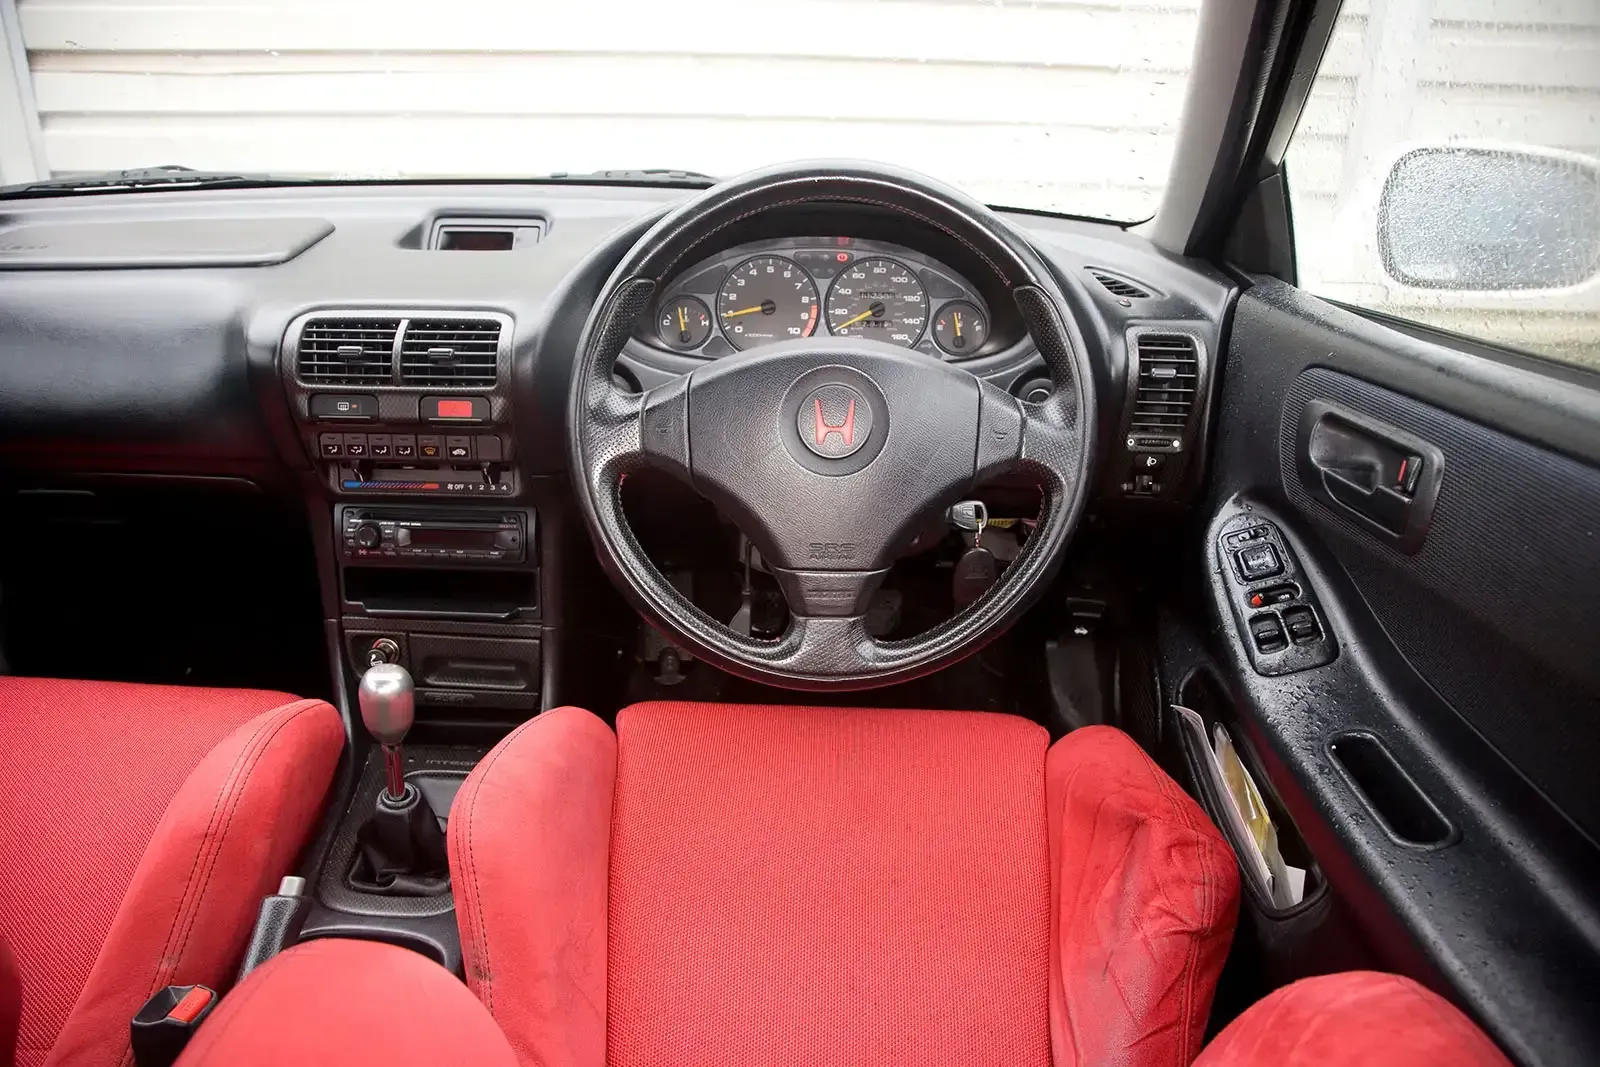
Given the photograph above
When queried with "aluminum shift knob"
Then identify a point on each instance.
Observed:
(388, 702)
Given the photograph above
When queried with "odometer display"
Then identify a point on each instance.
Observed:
(880, 299)
(767, 299)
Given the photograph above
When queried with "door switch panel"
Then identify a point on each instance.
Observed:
(1283, 628)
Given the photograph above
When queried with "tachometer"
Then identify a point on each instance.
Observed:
(767, 299)
(879, 299)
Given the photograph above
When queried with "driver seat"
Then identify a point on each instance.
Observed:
(794, 885)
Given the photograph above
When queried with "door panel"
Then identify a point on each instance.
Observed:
(1499, 609)
(1468, 673)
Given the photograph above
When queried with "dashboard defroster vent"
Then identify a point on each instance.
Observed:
(1169, 378)
(443, 352)
(346, 351)
(1119, 286)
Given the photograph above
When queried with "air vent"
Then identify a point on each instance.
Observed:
(1169, 375)
(440, 352)
(1119, 286)
(346, 351)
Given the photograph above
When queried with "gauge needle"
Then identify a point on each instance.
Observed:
(958, 323)
(683, 320)
(766, 306)
(877, 308)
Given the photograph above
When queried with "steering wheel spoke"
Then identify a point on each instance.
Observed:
(827, 645)
(1043, 439)
(629, 430)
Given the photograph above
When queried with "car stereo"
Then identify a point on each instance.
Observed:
(375, 534)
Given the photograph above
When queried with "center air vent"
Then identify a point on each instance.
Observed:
(347, 351)
(441, 352)
(1169, 376)
(1119, 286)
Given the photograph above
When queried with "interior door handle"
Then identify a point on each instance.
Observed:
(1380, 475)
(1376, 503)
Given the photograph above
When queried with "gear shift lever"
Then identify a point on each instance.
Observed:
(388, 708)
(402, 850)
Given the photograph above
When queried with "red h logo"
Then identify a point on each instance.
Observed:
(846, 429)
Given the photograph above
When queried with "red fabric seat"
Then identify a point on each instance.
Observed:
(144, 825)
(390, 1008)
(1355, 1019)
(722, 884)
(397, 1009)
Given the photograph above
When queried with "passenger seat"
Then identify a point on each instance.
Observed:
(142, 825)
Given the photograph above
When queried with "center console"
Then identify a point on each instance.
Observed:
(436, 542)
(433, 566)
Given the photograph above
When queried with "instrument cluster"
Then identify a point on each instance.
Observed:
(780, 290)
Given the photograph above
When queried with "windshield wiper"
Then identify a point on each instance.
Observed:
(178, 177)
(683, 179)
(168, 177)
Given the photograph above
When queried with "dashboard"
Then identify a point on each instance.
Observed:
(319, 334)
(762, 292)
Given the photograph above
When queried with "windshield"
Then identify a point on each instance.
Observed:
(1055, 105)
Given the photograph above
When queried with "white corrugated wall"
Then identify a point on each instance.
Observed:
(1067, 104)
(1414, 72)
(1063, 103)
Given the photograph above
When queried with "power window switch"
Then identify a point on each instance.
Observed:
(1302, 624)
(1267, 633)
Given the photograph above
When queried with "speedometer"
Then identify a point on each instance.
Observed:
(879, 299)
(767, 299)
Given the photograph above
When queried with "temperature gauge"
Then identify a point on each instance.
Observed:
(960, 329)
(684, 322)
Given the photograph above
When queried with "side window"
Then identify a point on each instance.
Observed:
(1447, 169)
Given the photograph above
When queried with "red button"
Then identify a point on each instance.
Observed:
(455, 409)
(193, 1003)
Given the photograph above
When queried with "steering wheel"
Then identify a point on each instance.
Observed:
(830, 452)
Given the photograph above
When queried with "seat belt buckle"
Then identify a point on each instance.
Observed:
(162, 1028)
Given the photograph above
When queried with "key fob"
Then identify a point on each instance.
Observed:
(975, 572)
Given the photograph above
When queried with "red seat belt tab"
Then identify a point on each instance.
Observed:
(164, 1025)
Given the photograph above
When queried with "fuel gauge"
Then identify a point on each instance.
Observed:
(684, 322)
(960, 329)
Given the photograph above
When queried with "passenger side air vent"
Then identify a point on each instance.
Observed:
(1169, 376)
(346, 351)
(439, 352)
(1119, 286)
